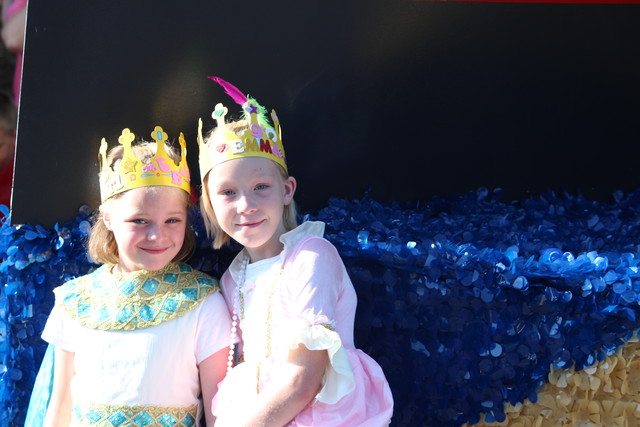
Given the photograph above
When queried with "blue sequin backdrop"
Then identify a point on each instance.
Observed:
(466, 301)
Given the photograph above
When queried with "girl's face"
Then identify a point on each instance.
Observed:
(248, 196)
(148, 224)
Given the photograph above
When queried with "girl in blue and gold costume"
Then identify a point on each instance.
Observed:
(138, 340)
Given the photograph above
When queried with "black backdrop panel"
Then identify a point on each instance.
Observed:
(407, 99)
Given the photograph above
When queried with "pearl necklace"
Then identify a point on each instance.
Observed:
(236, 308)
(238, 313)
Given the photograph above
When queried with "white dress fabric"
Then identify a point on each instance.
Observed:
(153, 366)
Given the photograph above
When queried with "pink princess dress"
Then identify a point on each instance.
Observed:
(302, 296)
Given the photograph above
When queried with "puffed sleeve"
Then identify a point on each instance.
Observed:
(315, 277)
(60, 329)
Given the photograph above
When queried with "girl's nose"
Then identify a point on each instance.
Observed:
(245, 204)
(154, 232)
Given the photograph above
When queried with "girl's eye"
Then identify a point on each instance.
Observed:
(138, 221)
(173, 221)
(227, 193)
(261, 187)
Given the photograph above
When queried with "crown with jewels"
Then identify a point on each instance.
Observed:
(259, 140)
(131, 172)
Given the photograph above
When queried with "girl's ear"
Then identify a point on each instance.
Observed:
(290, 186)
(105, 216)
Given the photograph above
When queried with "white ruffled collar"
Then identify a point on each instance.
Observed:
(289, 239)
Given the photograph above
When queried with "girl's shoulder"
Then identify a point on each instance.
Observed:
(307, 237)
(316, 246)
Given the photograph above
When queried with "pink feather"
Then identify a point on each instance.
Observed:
(231, 90)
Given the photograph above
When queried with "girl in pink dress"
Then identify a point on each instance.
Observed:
(292, 301)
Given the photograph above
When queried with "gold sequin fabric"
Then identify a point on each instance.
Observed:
(88, 414)
(604, 394)
(116, 302)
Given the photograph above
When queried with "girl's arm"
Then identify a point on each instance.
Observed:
(296, 386)
(59, 410)
(212, 371)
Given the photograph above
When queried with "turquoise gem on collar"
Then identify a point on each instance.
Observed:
(190, 294)
(170, 305)
(135, 300)
(128, 288)
(151, 285)
(170, 278)
(84, 310)
(92, 416)
(143, 419)
(117, 419)
(189, 420)
(124, 315)
(147, 313)
(167, 420)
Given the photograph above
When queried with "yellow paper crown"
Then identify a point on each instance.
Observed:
(132, 173)
(259, 140)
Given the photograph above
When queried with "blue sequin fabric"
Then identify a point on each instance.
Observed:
(465, 301)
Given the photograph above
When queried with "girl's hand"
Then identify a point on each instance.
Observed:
(293, 387)
(239, 397)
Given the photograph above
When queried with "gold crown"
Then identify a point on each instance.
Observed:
(259, 140)
(132, 173)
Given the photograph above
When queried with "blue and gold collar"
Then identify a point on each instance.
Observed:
(122, 302)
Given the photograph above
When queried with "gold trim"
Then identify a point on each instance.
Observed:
(104, 415)
(105, 301)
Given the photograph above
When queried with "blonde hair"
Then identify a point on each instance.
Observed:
(102, 244)
(220, 238)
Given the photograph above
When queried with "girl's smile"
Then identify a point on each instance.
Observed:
(155, 251)
(251, 224)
